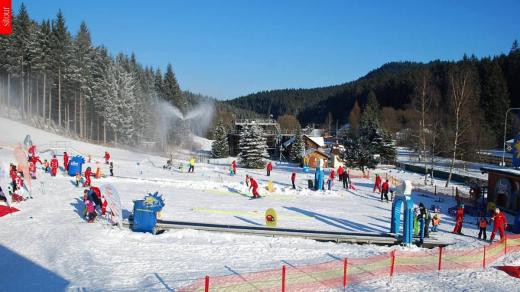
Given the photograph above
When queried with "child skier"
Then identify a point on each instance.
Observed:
(482, 225)
(107, 157)
(111, 168)
(88, 172)
(234, 167)
(78, 179)
(91, 211)
(46, 166)
(293, 179)
(269, 168)
(65, 161)
(384, 191)
(340, 172)
(436, 222)
(54, 165)
(32, 170)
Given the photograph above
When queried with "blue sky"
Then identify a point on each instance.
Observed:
(230, 48)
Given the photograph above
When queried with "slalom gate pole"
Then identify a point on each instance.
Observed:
(440, 259)
(206, 284)
(484, 259)
(283, 278)
(345, 270)
(392, 255)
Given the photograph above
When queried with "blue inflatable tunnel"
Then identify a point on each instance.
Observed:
(76, 165)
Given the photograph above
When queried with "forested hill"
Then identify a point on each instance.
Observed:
(496, 82)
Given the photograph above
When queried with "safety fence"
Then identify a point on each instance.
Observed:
(339, 274)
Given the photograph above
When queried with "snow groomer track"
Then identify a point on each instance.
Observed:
(318, 235)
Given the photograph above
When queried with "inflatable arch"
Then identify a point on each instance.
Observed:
(404, 192)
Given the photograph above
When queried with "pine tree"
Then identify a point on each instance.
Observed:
(220, 147)
(172, 91)
(253, 147)
(359, 152)
(297, 148)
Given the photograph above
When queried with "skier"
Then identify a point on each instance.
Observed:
(78, 179)
(234, 167)
(12, 174)
(499, 223)
(254, 186)
(436, 221)
(107, 157)
(111, 168)
(341, 170)
(91, 211)
(192, 165)
(20, 186)
(269, 168)
(54, 165)
(293, 179)
(46, 166)
(459, 219)
(32, 170)
(65, 161)
(482, 225)
(88, 173)
(346, 179)
(422, 218)
(377, 184)
(332, 174)
(384, 191)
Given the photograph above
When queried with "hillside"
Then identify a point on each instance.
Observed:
(395, 85)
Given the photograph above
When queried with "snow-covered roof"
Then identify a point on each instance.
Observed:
(317, 140)
(502, 170)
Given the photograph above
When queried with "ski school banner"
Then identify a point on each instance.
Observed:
(6, 17)
(516, 151)
(113, 203)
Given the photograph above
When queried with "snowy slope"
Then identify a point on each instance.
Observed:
(48, 246)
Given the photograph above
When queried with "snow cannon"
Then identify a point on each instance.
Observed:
(76, 165)
(27, 142)
(146, 212)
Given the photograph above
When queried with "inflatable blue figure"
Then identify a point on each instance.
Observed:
(76, 165)
(145, 213)
(318, 176)
(403, 197)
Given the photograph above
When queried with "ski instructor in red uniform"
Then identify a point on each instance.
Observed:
(54, 165)
(254, 186)
(499, 223)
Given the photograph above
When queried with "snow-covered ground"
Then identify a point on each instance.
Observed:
(48, 246)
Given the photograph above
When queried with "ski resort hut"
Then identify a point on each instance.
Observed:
(312, 156)
(503, 188)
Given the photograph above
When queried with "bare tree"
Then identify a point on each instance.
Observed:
(462, 100)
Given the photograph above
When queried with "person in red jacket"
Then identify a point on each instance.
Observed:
(88, 173)
(384, 191)
(254, 186)
(12, 174)
(332, 174)
(234, 167)
(459, 219)
(499, 223)
(293, 179)
(32, 170)
(107, 157)
(65, 161)
(377, 184)
(269, 168)
(54, 165)
(341, 170)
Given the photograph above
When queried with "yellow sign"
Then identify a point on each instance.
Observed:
(270, 187)
(270, 217)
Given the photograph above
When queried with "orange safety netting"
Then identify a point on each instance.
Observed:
(331, 275)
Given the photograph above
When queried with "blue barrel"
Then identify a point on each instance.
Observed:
(145, 218)
(76, 165)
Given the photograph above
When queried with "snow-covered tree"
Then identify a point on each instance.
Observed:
(220, 147)
(359, 152)
(297, 148)
(253, 147)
